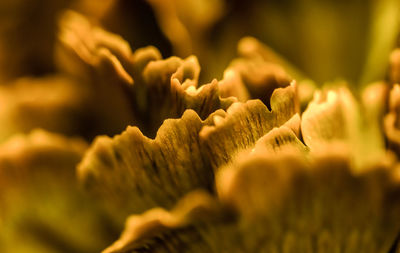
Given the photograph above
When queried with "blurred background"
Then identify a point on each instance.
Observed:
(325, 40)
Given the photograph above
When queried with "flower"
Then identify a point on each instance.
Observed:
(259, 161)
(281, 195)
(253, 176)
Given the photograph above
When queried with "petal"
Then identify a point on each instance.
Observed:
(282, 139)
(282, 203)
(232, 85)
(252, 76)
(171, 88)
(395, 66)
(251, 48)
(86, 45)
(391, 120)
(335, 116)
(259, 77)
(143, 88)
(159, 230)
(329, 118)
(140, 173)
(312, 204)
(22, 155)
(97, 60)
(186, 23)
(245, 123)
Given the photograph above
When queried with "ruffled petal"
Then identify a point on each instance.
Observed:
(335, 117)
(282, 139)
(159, 230)
(171, 88)
(329, 118)
(245, 123)
(143, 88)
(316, 205)
(278, 203)
(252, 76)
(141, 173)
